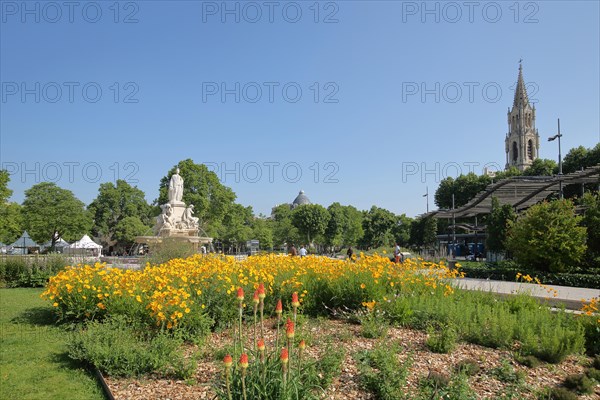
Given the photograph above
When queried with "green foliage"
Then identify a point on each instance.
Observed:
(464, 188)
(594, 374)
(591, 220)
(528, 361)
(378, 224)
(236, 226)
(468, 367)
(579, 157)
(128, 228)
(169, 249)
(508, 374)
(558, 393)
(284, 230)
(51, 212)
(442, 340)
(423, 232)
(596, 362)
(311, 220)
(542, 167)
(5, 192)
(373, 325)
(344, 227)
(202, 188)
(548, 236)
(497, 226)
(382, 374)
(33, 271)
(11, 222)
(262, 230)
(592, 338)
(114, 208)
(440, 386)
(579, 383)
(119, 348)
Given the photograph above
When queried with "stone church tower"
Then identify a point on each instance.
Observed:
(522, 140)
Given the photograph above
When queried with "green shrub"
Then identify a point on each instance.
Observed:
(435, 381)
(558, 394)
(30, 271)
(508, 374)
(468, 367)
(579, 383)
(596, 362)
(373, 325)
(529, 361)
(120, 348)
(382, 374)
(592, 336)
(170, 249)
(594, 374)
(444, 341)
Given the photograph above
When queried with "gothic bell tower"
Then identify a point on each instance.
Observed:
(522, 141)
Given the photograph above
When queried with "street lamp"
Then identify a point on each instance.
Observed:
(427, 195)
(551, 139)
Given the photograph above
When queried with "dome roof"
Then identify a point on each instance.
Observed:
(301, 199)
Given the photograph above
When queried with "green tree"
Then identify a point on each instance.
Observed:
(401, 230)
(311, 220)
(236, 226)
(353, 228)
(262, 230)
(497, 226)
(575, 159)
(114, 204)
(378, 224)
(542, 167)
(464, 188)
(127, 229)
(423, 233)
(202, 188)
(51, 212)
(11, 219)
(284, 231)
(591, 220)
(334, 234)
(548, 237)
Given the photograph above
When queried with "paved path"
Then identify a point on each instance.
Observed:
(570, 297)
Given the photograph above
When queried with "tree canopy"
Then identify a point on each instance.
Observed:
(11, 219)
(497, 226)
(311, 220)
(51, 212)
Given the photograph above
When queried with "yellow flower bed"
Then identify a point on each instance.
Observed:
(168, 294)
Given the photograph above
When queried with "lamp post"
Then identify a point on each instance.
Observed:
(427, 195)
(551, 139)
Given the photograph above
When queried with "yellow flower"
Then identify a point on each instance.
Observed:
(55, 304)
(362, 286)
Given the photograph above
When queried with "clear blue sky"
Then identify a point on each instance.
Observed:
(367, 126)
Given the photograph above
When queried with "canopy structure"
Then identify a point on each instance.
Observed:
(23, 244)
(58, 246)
(521, 192)
(84, 246)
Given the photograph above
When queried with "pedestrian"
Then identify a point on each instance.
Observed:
(293, 251)
(303, 251)
(397, 253)
(349, 253)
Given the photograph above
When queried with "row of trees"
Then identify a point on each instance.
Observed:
(120, 212)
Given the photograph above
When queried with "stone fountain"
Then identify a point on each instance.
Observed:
(176, 220)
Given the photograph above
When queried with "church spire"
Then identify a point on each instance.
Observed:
(521, 98)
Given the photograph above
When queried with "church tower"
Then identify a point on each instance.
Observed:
(522, 140)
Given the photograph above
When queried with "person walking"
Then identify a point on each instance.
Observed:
(303, 251)
(350, 252)
(293, 251)
(397, 253)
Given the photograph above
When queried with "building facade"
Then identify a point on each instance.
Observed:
(522, 142)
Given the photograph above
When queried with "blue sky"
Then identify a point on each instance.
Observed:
(361, 102)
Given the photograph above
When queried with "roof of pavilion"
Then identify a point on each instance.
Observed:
(520, 192)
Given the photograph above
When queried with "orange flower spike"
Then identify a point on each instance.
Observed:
(261, 345)
(279, 307)
(302, 345)
(284, 356)
(255, 298)
(261, 291)
(240, 294)
(295, 302)
(228, 361)
(244, 361)
(289, 329)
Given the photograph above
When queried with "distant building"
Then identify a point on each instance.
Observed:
(300, 200)
(522, 141)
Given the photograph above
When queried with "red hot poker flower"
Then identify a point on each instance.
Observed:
(261, 291)
(302, 345)
(295, 302)
(244, 361)
(227, 361)
(255, 298)
(284, 356)
(240, 294)
(279, 307)
(289, 329)
(261, 345)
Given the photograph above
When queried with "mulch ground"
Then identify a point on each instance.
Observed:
(346, 385)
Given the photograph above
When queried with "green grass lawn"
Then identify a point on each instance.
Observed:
(33, 354)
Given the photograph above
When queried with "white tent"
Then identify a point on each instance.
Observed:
(85, 246)
(58, 246)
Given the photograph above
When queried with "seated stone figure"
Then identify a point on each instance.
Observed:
(188, 219)
(165, 219)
